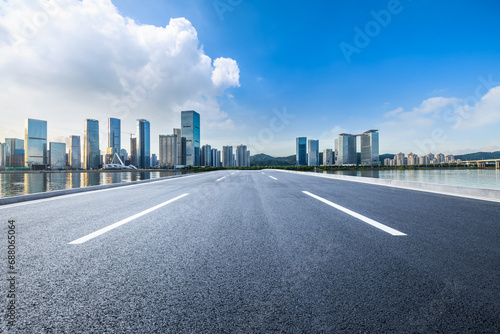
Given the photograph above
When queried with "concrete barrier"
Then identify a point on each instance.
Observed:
(55, 193)
(484, 194)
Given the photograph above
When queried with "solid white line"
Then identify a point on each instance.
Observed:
(121, 222)
(357, 215)
(221, 178)
(272, 177)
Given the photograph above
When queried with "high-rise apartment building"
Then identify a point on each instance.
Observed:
(133, 151)
(241, 156)
(347, 149)
(215, 158)
(336, 151)
(168, 150)
(190, 129)
(301, 151)
(227, 156)
(143, 144)
(369, 148)
(312, 152)
(35, 144)
(91, 154)
(327, 157)
(75, 155)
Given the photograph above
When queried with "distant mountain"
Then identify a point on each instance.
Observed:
(479, 156)
(267, 160)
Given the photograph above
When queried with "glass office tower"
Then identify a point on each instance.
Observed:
(301, 151)
(91, 154)
(57, 156)
(114, 135)
(369, 148)
(35, 144)
(14, 152)
(75, 155)
(190, 129)
(313, 152)
(347, 150)
(143, 144)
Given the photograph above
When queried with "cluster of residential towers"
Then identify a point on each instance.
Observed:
(344, 153)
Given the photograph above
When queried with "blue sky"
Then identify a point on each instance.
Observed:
(426, 77)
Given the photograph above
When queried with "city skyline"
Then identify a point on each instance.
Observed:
(441, 92)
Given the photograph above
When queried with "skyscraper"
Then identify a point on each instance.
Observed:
(133, 151)
(14, 152)
(369, 148)
(327, 157)
(114, 139)
(181, 147)
(214, 158)
(143, 144)
(347, 150)
(91, 154)
(190, 129)
(168, 150)
(75, 156)
(312, 152)
(206, 155)
(241, 156)
(301, 151)
(227, 156)
(35, 144)
(57, 156)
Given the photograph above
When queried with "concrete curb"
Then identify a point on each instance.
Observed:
(55, 193)
(492, 195)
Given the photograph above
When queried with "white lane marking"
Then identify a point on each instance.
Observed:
(263, 173)
(357, 215)
(121, 222)
(272, 177)
(35, 201)
(221, 178)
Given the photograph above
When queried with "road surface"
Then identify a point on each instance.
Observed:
(253, 252)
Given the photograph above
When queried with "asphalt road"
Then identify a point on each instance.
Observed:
(253, 252)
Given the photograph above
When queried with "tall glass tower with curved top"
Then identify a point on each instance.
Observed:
(190, 129)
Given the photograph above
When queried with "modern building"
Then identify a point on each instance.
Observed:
(114, 139)
(206, 155)
(370, 148)
(143, 144)
(327, 157)
(181, 147)
(227, 156)
(35, 144)
(301, 151)
(312, 152)
(168, 151)
(123, 154)
(347, 150)
(75, 154)
(154, 160)
(248, 158)
(336, 153)
(57, 156)
(215, 158)
(91, 154)
(14, 152)
(412, 159)
(241, 156)
(3, 154)
(133, 151)
(190, 129)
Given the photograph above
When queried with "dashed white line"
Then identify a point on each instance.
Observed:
(357, 215)
(272, 177)
(121, 222)
(221, 178)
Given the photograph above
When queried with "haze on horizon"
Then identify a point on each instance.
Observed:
(425, 74)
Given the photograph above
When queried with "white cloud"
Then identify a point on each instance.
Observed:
(394, 112)
(485, 112)
(67, 60)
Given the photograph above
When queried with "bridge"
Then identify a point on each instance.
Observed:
(481, 163)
